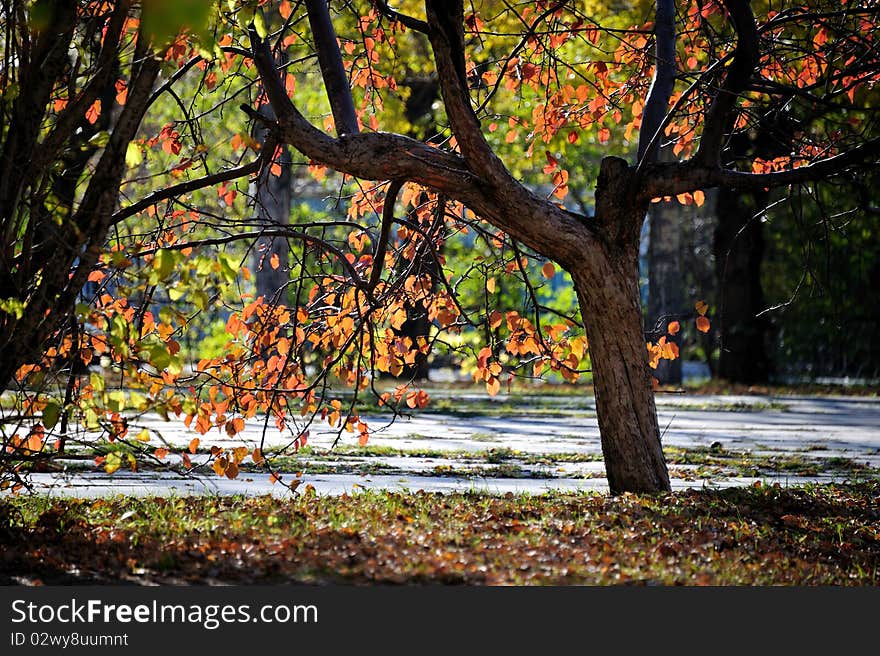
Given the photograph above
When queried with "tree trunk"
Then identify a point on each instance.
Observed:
(665, 281)
(273, 200)
(739, 249)
(607, 288)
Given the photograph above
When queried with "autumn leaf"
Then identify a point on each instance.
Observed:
(548, 270)
(194, 444)
(220, 465)
(490, 285)
(673, 328)
(703, 324)
(701, 308)
(274, 262)
(93, 112)
(493, 386)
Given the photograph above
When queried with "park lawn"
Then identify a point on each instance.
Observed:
(812, 535)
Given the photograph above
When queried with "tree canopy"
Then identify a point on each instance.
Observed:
(127, 191)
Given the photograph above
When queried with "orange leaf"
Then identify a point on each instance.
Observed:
(490, 285)
(703, 324)
(96, 276)
(493, 386)
(94, 112)
(121, 91)
(219, 466)
(274, 262)
(274, 478)
(699, 198)
(160, 453)
(701, 307)
(194, 444)
(548, 270)
(673, 328)
(257, 456)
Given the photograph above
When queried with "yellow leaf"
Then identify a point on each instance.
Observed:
(143, 436)
(699, 198)
(701, 307)
(490, 285)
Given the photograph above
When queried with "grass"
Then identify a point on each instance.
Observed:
(760, 535)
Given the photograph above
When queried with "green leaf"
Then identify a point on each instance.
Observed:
(163, 19)
(116, 401)
(228, 267)
(12, 306)
(112, 462)
(159, 356)
(50, 414)
(164, 262)
(260, 25)
(97, 382)
(133, 155)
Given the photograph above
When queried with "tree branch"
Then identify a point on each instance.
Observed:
(502, 201)
(199, 183)
(446, 34)
(332, 69)
(409, 21)
(657, 102)
(745, 59)
(394, 188)
(677, 178)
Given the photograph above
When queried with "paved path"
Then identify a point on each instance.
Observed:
(811, 428)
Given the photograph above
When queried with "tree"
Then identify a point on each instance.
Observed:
(711, 75)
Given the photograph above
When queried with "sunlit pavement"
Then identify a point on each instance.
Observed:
(809, 427)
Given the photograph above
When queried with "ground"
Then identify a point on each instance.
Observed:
(768, 489)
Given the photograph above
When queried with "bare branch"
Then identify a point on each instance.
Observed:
(657, 102)
(394, 188)
(745, 59)
(332, 69)
(199, 183)
(409, 21)
(676, 178)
